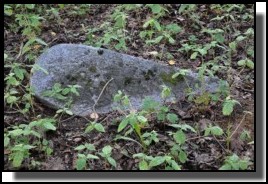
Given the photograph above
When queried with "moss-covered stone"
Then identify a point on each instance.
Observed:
(92, 69)
(148, 75)
(167, 77)
(127, 81)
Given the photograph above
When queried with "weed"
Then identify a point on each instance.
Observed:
(233, 162)
(106, 154)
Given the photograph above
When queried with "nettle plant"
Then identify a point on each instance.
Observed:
(85, 156)
(21, 139)
(157, 32)
(233, 162)
(149, 162)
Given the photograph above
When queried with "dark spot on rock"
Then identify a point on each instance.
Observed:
(167, 77)
(87, 52)
(89, 83)
(102, 84)
(121, 64)
(68, 77)
(148, 75)
(92, 69)
(98, 75)
(100, 51)
(127, 81)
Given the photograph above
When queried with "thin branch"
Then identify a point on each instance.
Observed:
(100, 96)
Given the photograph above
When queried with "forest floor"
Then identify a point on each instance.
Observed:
(216, 38)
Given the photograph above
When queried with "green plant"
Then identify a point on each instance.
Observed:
(23, 138)
(246, 62)
(18, 153)
(165, 33)
(233, 162)
(94, 126)
(245, 135)
(150, 137)
(60, 93)
(213, 130)
(148, 162)
(228, 106)
(157, 9)
(106, 154)
(83, 158)
(137, 122)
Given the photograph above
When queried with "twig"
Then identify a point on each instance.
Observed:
(239, 124)
(220, 144)
(100, 96)
(93, 105)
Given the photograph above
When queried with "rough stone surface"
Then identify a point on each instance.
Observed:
(92, 68)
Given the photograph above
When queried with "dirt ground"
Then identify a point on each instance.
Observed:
(204, 153)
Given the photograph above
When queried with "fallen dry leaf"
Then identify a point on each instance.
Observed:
(53, 33)
(171, 62)
(154, 53)
(94, 115)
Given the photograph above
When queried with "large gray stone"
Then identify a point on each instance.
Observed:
(92, 68)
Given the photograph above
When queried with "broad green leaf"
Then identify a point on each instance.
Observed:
(157, 25)
(228, 107)
(194, 55)
(16, 132)
(107, 150)
(240, 38)
(65, 91)
(19, 73)
(99, 127)
(40, 41)
(139, 155)
(241, 62)
(202, 51)
(182, 157)
(6, 141)
(123, 124)
(232, 45)
(11, 99)
(81, 163)
(174, 28)
(90, 147)
(156, 8)
(149, 104)
(17, 158)
(250, 64)
(143, 165)
(30, 6)
(234, 158)
(215, 130)
(171, 40)
(174, 165)
(173, 118)
(179, 137)
(49, 126)
(90, 156)
(80, 147)
(69, 112)
(12, 81)
(111, 161)
(89, 128)
(243, 164)
(158, 160)
(166, 92)
(225, 167)
(142, 119)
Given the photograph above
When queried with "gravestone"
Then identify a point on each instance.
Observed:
(92, 68)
